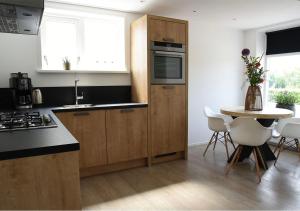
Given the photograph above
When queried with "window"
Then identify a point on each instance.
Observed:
(90, 42)
(284, 74)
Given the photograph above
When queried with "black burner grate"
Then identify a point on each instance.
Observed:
(24, 120)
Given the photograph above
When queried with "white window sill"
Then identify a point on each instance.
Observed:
(84, 71)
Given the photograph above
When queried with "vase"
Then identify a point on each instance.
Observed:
(67, 66)
(253, 101)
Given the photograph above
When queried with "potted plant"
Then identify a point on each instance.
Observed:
(285, 99)
(67, 63)
(255, 76)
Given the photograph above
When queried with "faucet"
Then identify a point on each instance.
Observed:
(76, 93)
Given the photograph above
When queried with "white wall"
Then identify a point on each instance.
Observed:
(21, 53)
(215, 73)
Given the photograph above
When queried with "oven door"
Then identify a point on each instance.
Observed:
(167, 67)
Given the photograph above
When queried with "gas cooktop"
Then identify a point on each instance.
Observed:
(18, 120)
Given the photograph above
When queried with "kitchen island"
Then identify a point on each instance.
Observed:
(39, 168)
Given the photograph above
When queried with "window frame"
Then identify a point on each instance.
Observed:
(61, 19)
(266, 86)
(79, 21)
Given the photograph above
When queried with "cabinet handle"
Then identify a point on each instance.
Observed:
(127, 110)
(81, 114)
(168, 87)
(168, 39)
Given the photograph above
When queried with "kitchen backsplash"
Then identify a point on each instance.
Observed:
(58, 96)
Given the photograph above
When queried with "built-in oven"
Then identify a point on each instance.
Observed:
(167, 63)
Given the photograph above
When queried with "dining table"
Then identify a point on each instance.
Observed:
(266, 118)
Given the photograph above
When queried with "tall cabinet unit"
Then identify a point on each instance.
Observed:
(167, 103)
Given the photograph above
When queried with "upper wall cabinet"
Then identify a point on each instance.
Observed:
(167, 31)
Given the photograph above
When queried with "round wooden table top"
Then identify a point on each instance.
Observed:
(266, 113)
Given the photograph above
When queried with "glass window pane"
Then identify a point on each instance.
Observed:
(104, 44)
(59, 42)
(284, 74)
(89, 41)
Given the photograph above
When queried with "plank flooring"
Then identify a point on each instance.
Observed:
(198, 183)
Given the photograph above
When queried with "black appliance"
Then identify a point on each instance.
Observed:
(21, 16)
(17, 120)
(21, 88)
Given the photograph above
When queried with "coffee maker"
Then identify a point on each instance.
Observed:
(21, 88)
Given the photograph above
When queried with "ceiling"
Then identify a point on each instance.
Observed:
(242, 14)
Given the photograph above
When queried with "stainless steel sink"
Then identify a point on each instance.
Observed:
(78, 106)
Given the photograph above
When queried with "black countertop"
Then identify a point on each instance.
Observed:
(100, 106)
(27, 143)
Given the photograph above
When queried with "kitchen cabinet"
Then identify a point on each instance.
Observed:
(110, 139)
(45, 182)
(126, 134)
(167, 104)
(168, 119)
(88, 127)
(167, 31)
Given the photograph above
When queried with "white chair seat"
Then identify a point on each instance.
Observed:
(247, 131)
(217, 124)
(289, 130)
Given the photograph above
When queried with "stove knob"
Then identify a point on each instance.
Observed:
(46, 118)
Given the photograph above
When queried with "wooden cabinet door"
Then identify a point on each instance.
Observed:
(126, 134)
(167, 31)
(168, 119)
(158, 30)
(88, 127)
(176, 31)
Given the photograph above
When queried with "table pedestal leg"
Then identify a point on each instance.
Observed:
(266, 153)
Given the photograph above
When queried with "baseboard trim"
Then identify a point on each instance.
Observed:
(168, 157)
(198, 143)
(97, 170)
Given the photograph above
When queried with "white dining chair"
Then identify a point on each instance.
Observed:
(289, 131)
(216, 123)
(246, 131)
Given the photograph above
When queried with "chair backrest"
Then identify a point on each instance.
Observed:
(208, 112)
(247, 131)
(215, 121)
(289, 127)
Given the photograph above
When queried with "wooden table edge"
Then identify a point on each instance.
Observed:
(259, 116)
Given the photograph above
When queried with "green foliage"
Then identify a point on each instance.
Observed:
(66, 61)
(290, 80)
(286, 98)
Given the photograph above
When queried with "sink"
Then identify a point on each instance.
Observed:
(78, 106)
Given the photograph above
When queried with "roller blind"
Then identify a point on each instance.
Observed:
(283, 41)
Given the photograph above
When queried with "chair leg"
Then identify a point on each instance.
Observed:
(279, 151)
(226, 147)
(216, 139)
(278, 145)
(230, 140)
(238, 155)
(257, 165)
(230, 165)
(209, 143)
(260, 157)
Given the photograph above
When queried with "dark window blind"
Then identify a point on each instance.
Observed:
(283, 41)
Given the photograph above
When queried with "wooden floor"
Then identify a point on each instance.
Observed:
(198, 183)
